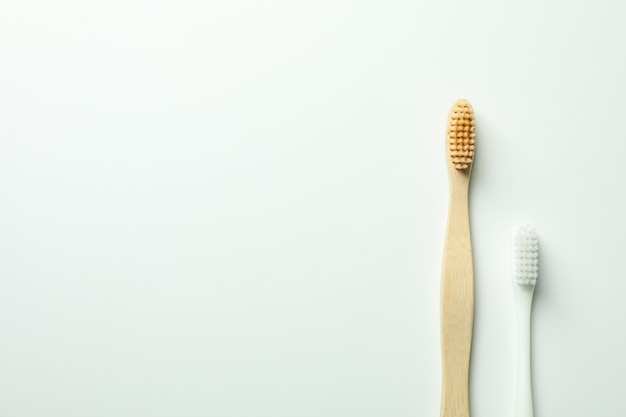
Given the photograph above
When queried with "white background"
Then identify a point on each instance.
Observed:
(237, 208)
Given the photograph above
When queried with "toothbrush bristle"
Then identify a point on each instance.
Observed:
(461, 134)
(525, 256)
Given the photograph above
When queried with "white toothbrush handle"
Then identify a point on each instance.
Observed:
(524, 396)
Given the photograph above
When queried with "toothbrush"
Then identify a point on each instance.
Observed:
(525, 267)
(457, 277)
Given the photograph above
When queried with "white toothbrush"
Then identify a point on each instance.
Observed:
(525, 267)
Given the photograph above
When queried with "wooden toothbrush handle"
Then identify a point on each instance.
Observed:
(457, 307)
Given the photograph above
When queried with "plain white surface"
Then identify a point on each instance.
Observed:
(237, 208)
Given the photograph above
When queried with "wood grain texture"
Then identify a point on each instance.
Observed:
(457, 289)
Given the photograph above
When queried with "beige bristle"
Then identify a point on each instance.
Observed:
(461, 134)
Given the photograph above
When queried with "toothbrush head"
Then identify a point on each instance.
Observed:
(461, 135)
(525, 256)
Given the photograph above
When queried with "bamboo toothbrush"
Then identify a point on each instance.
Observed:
(457, 278)
(525, 267)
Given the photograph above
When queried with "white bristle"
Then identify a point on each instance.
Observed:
(525, 256)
